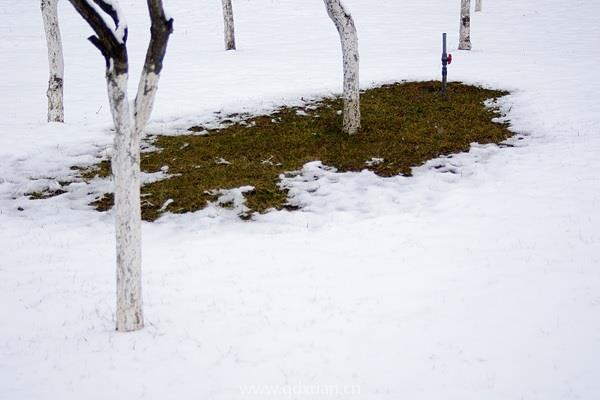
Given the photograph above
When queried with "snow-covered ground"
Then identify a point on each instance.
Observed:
(478, 284)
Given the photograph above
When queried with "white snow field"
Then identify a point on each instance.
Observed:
(477, 280)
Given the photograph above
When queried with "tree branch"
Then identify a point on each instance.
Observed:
(105, 40)
(161, 29)
(159, 36)
(112, 9)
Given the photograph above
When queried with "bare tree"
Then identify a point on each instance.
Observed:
(56, 112)
(478, 5)
(111, 41)
(464, 42)
(228, 25)
(345, 25)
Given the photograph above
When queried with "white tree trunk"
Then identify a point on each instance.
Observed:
(345, 25)
(228, 25)
(464, 42)
(112, 43)
(478, 5)
(55, 61)
(126, 172)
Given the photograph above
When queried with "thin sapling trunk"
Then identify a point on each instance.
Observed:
(349, 38)
(464, 41)
(56, 112)
(228, 25)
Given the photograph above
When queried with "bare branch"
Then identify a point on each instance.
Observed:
(105, 40)
(160, 30)
(114, 12)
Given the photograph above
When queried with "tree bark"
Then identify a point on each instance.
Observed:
(228, 25)
(56, 112)
(160, 31)
(464, 42)
(126, 172)
(478, 6)
(347, 30)
(126, 158)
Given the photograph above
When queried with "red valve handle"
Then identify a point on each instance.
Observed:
(449, 58)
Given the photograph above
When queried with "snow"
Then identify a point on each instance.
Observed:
(118, 27)
(476, 278)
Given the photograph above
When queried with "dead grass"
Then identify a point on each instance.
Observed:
(403, 124)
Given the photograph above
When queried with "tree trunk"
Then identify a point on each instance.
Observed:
(478, 5)
(464, 42)
(56, 111)
(345, 25)
(126, 173)
(126, 158)
(228, 25)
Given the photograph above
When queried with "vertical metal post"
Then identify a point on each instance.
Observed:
(444, 65)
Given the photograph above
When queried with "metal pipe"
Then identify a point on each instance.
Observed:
(444, 65)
